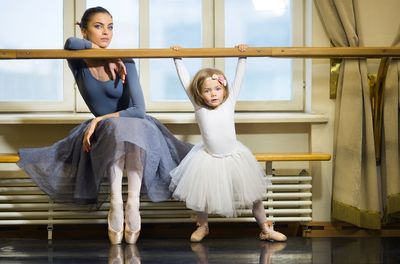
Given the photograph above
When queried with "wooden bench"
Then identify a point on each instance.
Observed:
(23, 203)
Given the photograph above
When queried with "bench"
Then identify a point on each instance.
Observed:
(23, 203)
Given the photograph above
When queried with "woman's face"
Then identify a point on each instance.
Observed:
(99, 30)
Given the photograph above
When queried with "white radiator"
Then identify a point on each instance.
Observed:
(21, 202)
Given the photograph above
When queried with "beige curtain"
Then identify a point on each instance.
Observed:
(390, 143)
(355, 182)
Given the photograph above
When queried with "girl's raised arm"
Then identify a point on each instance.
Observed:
(240, 69)
(184, 77)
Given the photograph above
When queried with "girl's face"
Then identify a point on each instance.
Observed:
(213, 93)
(99, 30)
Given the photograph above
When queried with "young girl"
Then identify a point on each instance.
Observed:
(220, 174)
(121, 136)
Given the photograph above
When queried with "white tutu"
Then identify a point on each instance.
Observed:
(218, 184)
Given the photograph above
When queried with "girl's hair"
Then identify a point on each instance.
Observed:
(88, 15)
(197, 84)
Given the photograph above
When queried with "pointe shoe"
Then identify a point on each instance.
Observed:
(131, 236)
(268, 233)
(199, 233)
(115, 237)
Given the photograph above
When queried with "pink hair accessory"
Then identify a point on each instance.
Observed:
(220, 78)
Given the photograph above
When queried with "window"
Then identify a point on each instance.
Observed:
(30, 85)
(269, 85)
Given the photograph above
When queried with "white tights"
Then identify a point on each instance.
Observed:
(259, 213)
(134, 171)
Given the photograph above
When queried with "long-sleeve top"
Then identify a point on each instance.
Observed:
(104, 97)
(217, 126)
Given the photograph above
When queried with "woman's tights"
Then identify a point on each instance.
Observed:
(134, 170)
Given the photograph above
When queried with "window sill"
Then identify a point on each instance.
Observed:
(166, 118)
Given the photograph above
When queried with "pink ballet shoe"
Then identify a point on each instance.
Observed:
(268, 233)
(199, 233)
(115, 237)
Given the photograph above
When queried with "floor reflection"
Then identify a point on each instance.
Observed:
(120, 254)
(239, 250)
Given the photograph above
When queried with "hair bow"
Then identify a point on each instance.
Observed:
(220, 78)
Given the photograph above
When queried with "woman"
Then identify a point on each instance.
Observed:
(121, 136)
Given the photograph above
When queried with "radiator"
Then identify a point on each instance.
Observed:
(287, 200)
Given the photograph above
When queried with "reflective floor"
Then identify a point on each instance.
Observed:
(212, 250)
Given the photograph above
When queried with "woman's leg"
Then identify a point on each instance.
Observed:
(116, 212)
(202, 227)
(134, 171)
(267, 227)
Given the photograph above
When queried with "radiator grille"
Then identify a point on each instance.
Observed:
(21, 202)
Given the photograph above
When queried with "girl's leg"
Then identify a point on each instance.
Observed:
(202, 227)
(116, 212)
(267, 227)
(134, 170)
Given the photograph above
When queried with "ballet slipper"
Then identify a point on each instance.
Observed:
(199, 233)
(268, 233)
(114, 236)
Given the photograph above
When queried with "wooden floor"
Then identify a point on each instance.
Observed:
(169, 243)
(212, 250)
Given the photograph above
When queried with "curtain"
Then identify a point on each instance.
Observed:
(390, 141)
(355, 194)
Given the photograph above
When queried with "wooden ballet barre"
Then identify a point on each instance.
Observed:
(278, 52)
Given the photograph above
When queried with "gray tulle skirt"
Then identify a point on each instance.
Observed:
(68, 174)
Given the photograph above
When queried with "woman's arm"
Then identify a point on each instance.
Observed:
(135, 92)
(114, 66)
(74, 43)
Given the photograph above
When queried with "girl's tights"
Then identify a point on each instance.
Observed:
(259, 213)
(202, 218)
(134, 170)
